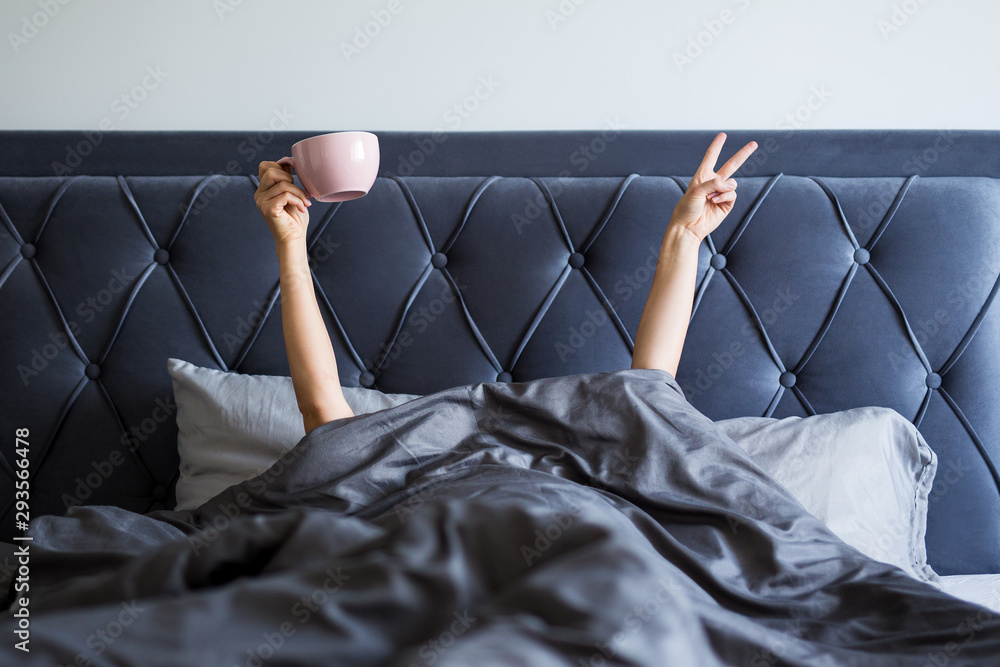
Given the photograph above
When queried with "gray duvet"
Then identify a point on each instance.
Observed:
(593, 519)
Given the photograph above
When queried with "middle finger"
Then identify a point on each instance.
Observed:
(285, 186)
(736, 161)
(271, 173)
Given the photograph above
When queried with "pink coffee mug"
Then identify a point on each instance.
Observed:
(336, 167)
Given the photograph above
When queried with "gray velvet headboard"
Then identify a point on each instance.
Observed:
(858, 268)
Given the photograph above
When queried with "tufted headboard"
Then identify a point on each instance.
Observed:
(858, 268)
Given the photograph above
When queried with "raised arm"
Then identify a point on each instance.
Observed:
(707, 201)
(307, 343)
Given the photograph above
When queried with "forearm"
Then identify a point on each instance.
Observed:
(310, 353)
(663, 326)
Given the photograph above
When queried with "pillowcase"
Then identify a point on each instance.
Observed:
(232, 426)
(866, 473)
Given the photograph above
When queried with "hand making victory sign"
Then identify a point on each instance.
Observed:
(705, 204)
(711, 194)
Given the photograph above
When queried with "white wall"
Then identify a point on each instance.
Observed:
(247, 64)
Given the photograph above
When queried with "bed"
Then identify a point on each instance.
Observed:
(492, 277)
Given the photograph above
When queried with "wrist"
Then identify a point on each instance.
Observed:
(289, 249)
(679, 249)
(293, 262)
(679, 238)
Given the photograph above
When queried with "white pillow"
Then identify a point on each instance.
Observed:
(866, 473)
(232, 427)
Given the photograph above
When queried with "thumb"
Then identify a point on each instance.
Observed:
(717, 184)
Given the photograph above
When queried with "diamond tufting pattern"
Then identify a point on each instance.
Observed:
(817, 294)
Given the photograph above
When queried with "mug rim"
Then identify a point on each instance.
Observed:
(328, 134)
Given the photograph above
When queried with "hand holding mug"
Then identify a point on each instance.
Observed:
(331, 167)
(335, 167)
(282, 203)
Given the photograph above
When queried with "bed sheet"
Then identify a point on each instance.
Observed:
(589, 519)
(982, 589)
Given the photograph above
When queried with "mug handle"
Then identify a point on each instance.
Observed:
(291, 163)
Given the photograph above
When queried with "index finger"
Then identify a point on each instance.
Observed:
(736, 161)
(712, 154)
(280, 175)
(268, 164)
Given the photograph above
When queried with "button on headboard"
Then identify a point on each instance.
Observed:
(857, 268)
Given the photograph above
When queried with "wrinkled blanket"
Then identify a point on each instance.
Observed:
(594, 519)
